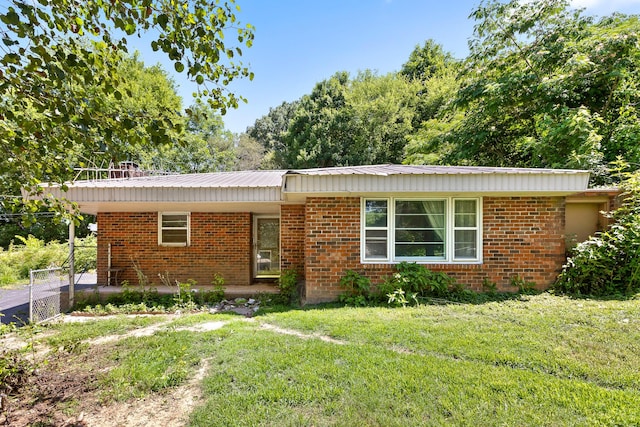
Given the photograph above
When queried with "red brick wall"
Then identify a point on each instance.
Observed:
(292, 238)
(220, 243)
(523, 237)
(332, 246)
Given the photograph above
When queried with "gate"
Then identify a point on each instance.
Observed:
(45, 293)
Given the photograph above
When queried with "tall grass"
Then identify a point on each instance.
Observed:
(33, 254)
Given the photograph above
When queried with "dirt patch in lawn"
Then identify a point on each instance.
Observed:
(302, 335)
(64, 390)
(166, 409)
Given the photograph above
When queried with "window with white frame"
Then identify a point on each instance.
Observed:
(422, 230)
(174, 228)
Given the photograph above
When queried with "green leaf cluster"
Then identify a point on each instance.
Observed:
(608, 264)
(416, 279)
(343, 121)
(67, 83)
(543, 86)
(33, 254)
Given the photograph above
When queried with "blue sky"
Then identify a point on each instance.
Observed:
(301, 42)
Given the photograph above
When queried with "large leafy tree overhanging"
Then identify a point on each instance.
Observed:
(58, 64)
(152, 94)
(548, 87)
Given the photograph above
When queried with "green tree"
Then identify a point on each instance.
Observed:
(151, 101)
(546, 86)
(427, 61)
(59, 75)
(382, 111)
(205, 146)
(249, 153)
(439, 76)
(318, 134)
(270, 131)
(346, 121)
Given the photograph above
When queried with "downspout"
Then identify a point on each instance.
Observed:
(283, 186)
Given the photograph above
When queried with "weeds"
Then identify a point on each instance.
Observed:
(143, 280)
(524, 286)
(288, 285)
(416, 278)
(34, 254)
(413, 283)
(148, 300)
(358, 289)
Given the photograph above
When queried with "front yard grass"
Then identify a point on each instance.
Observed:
(543, 360)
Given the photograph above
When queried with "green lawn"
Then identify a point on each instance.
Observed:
(543, 361)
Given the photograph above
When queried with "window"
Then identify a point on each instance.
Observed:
(173, 228)
(376, 225)
(422, 230)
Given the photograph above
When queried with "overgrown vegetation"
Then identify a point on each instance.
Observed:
(608, 264)
(358, 289)
(288, 285)
(412, 283)
(34, 254)
(147, 299)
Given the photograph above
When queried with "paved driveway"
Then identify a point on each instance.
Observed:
(14, 303)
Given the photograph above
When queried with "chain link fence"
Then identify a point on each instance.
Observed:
(45, 293)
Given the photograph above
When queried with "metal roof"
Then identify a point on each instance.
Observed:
(378, 180)
(264, 191)
(391, 169)
(240, 179)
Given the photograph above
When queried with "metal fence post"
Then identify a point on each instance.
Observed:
(31, 296)
(72, 272)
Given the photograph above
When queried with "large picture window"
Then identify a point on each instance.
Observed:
(173, 229)
(421, 230)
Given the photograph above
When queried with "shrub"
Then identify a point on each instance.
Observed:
(85, 253)
(358, 289)
(608, 264)
(34, 254)
(288, 285)
(416, 279)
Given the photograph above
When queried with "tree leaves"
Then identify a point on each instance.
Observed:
(63, 96)
(543, 87)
